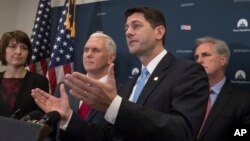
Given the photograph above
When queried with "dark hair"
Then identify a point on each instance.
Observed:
(19, 36)
(153, 16)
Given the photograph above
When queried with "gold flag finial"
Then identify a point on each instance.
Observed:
(73, 27)
(68, 17)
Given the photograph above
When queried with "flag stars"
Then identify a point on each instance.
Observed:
(37, 19)
(65, 43)
(67, 4)
(62, 31)
(52, 55)
(40, 12)
(68, 56)
(55, 46)
(43, 47)
(41, 32)
(61, 51)
(45, 16)
(41, 54)
(68, 36)
(41, 5)
(41, 29)
(62, 47)
(35, 49)
(71, 49)
(33, 57)
(64, 12)
(39, 36)
(45, 40)
(37, 43)
(58, 59)
(58, 39)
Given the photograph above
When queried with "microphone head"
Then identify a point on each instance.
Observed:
(50, 118)
(18, 114)
(34, 115)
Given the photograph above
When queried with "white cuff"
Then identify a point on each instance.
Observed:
(64, 124)
(113, 109)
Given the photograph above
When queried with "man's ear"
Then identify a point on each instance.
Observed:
(160, 32)
(112, 58)
(223, 60)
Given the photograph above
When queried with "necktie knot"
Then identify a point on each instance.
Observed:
(140, 84)
(143, 75)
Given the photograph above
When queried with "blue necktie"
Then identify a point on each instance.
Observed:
(140, 84)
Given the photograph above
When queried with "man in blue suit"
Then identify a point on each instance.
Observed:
(170, 106)
(230, 106)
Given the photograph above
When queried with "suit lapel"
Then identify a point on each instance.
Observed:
(92, 114)
(155, 78)
(126, 90)
(219, 104)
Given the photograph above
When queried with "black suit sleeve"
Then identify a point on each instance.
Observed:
(78, 130)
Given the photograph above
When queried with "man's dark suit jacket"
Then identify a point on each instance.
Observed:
(230, 110)
(170, 107)
(24, 100)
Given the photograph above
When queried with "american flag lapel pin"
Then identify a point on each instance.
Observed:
(155, 78)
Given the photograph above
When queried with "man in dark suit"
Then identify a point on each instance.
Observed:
(171, 104)
(230, 106)
(99, 52)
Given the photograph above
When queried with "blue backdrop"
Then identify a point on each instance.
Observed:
(224, 19)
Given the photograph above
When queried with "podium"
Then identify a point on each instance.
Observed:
(16, 130)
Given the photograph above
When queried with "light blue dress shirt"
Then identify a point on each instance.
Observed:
(215, 90)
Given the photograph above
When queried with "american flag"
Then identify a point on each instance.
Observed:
(61, 59)
(40, 38)
(186, 27)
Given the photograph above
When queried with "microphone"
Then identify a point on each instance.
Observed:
(34, 115)
(49, 118)
(17, 114)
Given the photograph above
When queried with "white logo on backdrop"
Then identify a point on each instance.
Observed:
(242, 26)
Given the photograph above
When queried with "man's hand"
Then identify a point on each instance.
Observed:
(97, 94)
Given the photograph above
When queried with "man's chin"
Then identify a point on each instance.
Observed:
(132, 51)
(88, 69)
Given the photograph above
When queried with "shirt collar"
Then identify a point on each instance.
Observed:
(153, 63)
(217, 87)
